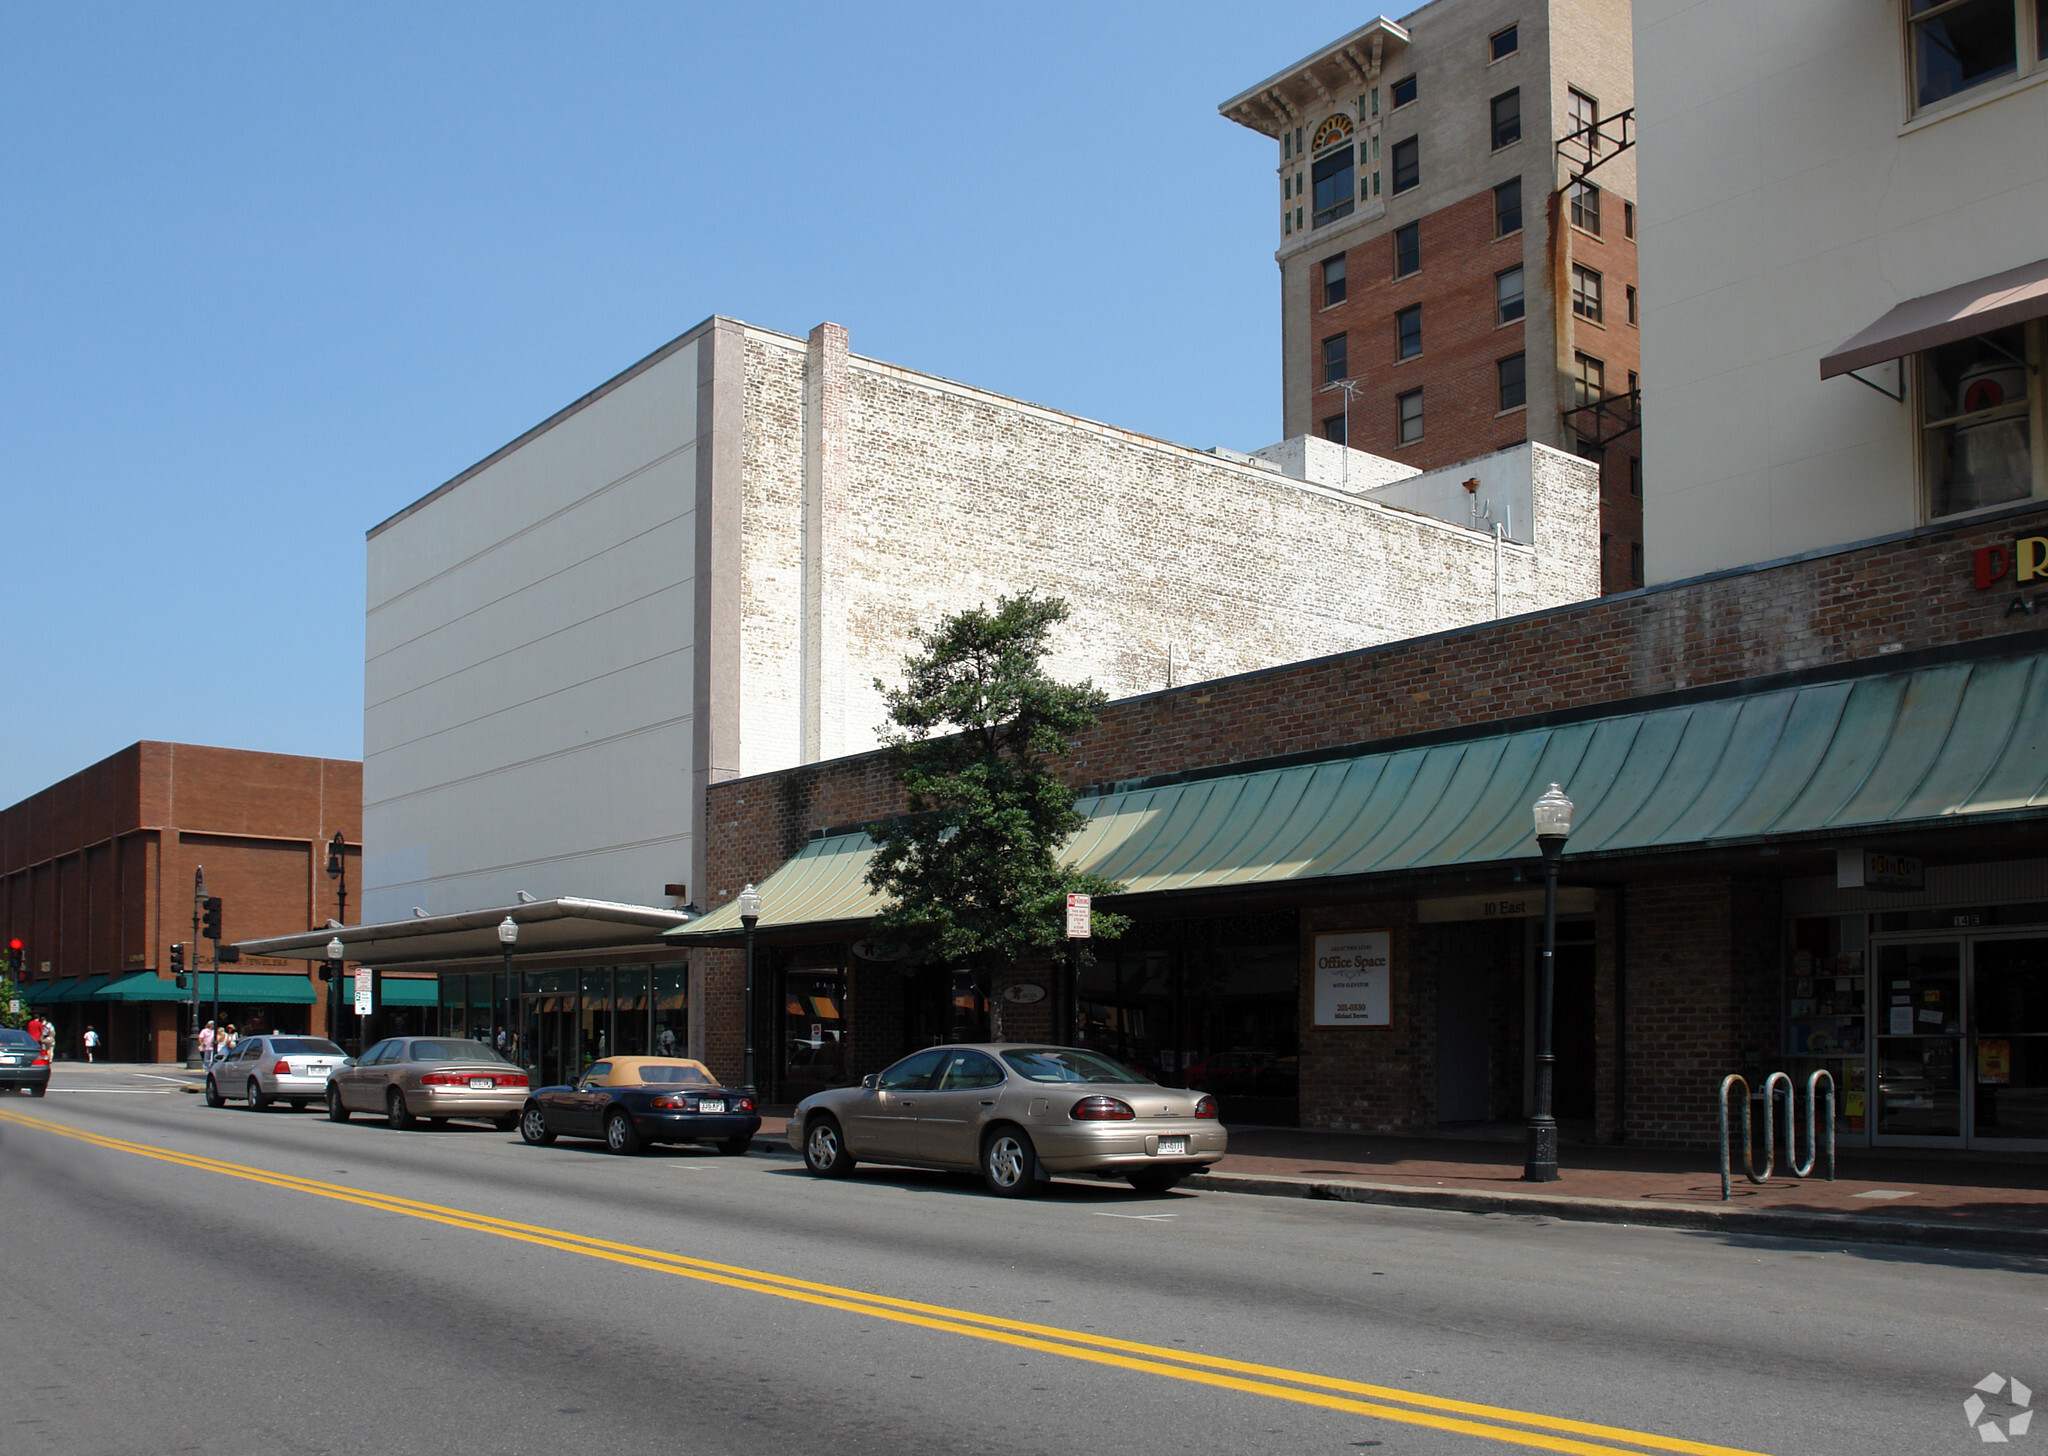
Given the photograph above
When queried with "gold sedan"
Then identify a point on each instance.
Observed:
(411, 1078)
(1017, 1114)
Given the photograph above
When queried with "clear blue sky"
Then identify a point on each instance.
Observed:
(274, 271)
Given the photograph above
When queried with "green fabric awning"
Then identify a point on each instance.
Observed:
(411, 991)
(82, 990)
(1888, 752)
(252, 988)
(143, 986)
(38, 993)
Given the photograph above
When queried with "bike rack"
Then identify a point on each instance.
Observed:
(1820, 1131)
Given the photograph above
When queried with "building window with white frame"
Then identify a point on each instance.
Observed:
(1589, 380)
(1585, 117)
(1407, 160)
(1503, 43)
(1333, 185)
(1586, 207)
(1507, 118)
(1507, 295)
(1585, 293)
(1333, 280)
(1513, 380)
(1979, 443)
(1955, 46)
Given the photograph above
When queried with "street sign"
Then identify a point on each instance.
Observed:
(363, 974)
(1079, 917)
(14, 1008)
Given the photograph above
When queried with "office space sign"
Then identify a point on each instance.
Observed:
(363, 992)
(1351, 979)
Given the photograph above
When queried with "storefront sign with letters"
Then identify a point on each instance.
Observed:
(1352, 973)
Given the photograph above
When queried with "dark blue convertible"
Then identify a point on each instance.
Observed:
(629, 1102)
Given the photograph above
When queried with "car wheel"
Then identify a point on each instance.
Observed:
(335, 1111)
(732, 1147)
(396, 1112)
(1154, 1180)
(213, 1097)
(258, 1102)
(1009, 1164)
(825, 1151)
(506, 1123)
(533, 1126)
(620, 1135)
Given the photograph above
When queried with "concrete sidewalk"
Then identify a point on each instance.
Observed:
(1932, 1199)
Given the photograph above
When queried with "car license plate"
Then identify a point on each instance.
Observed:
(711, 1104)
(1172, 1145)
(481, 1084)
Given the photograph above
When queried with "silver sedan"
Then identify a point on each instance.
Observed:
(1016, 1113)
(272, 1069)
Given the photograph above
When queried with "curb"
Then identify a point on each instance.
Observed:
(1832, 1227)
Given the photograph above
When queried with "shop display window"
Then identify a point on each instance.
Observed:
(1826, 1009)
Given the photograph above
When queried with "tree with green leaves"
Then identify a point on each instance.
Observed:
(14, 1012)
(973, 871)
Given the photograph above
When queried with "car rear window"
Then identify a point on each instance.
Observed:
(16, 1038)
(674, 1075)
(1068, 1064)
(453, 1051)
(304, 1046)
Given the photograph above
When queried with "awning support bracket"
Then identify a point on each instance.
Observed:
(1899, 398)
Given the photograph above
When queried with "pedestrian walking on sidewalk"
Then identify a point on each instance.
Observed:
(35, 1029)
(50, 1040)
(92, 1045)
(206, 1039)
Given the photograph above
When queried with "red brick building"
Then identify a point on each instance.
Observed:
(1456, 241)
(1735, 744)
(97, 879)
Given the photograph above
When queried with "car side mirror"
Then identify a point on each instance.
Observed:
(348, 1061)
(868, 1081)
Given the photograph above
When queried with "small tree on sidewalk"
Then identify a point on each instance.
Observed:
(14, 1011)
(973, 872)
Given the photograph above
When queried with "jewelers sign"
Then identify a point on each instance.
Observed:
(1351, 979)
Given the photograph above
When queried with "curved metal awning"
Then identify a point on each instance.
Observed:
(546, 927)
(1889, 752)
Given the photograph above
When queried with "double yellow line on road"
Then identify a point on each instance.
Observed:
(1493, 1423)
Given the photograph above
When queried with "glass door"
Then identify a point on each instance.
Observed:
(2009, 1021)
(1917, 1049)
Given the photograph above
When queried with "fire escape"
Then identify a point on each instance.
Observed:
(1601, 419)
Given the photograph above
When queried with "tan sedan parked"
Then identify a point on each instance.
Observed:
(409, 1078)
(1016, 1113)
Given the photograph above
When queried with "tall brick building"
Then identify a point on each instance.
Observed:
(1456, 238)
(97, 879)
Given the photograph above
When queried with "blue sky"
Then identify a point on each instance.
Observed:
(274, 271)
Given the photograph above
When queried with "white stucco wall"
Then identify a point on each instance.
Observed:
(1788, 201)
(528, 665)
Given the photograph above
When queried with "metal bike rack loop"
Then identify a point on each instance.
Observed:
(1820, 1130)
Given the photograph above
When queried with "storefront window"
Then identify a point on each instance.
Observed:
(454, 1007)
(595, 1022)
(2010, 987)
(814, 1028)
(1826, 996)
(629, 1013)
(671, 1011)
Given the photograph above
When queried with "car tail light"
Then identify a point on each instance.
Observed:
(282, 1069)
(1102, 1109)
(1206, 1108)
(745, 1104)
(443, 1079)
(42, 1060)
(669, 1102)
(512, 1079)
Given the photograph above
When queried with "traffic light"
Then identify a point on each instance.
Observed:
(15, 952)
(178, 965)
(326, 970)
(209, 924)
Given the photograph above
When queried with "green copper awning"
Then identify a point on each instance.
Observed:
(37, 993)
(402, 991)
(82, 990)
(1890, 752)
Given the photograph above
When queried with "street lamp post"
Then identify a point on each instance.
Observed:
(750, 915)
(1553, 825)
(508, 936)
(335, 951)
(192, 961)
(337, 871)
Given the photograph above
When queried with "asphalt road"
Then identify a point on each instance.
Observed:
(187, 1280)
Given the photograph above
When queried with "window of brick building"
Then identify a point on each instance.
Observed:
(1402, 92)
(1503, 43)
(1408, 417)
(1333, 280)
(1507, 118)
(1635, 477)
(1589, 383)
(1635, 563)
(1514, 387)
(1407, 249)
(1507, 208)
(1978, 444)
(1408, 332)
(1631, 288)
(1586, 207)
(1585, 113)
(1333, 429)
(1507, 295)
(1333, 184)
(1628, 219)
(1407, 160)
(1333, 359)
(1586, 293)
